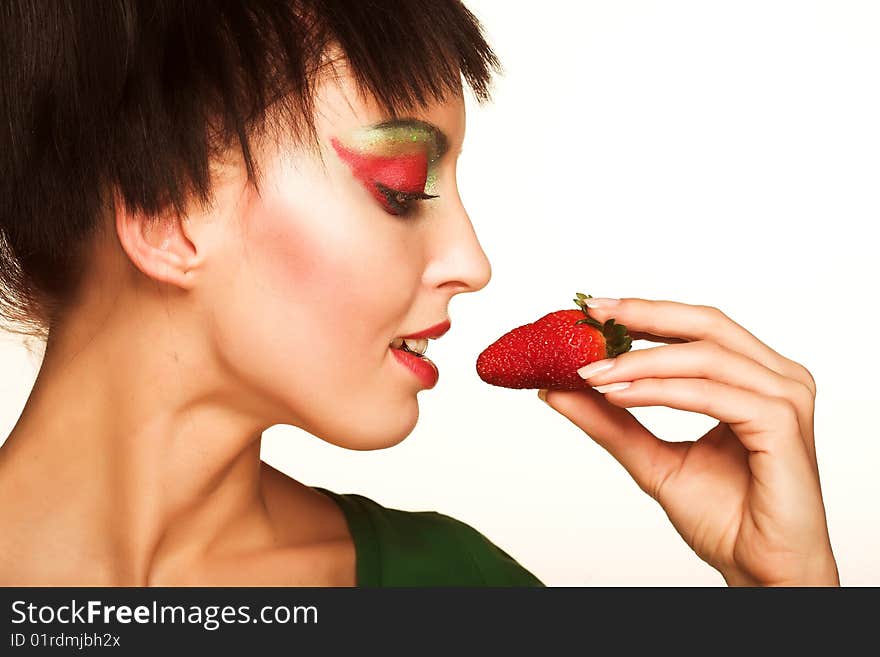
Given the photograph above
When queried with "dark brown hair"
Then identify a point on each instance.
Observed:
(135, 97)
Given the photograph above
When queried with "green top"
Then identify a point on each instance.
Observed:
(423, 548)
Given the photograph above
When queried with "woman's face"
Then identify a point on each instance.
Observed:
(312, 279)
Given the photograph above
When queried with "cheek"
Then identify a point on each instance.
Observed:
(319, 291)
(313, 288)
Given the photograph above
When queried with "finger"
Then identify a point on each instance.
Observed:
(648, 459)
(709, 360)
(766, 426)
(695, 322)
(638, 335)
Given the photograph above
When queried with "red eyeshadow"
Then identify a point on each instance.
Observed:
(406, 173)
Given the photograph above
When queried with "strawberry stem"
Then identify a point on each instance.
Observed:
(617, 340)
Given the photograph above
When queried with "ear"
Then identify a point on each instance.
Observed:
(159, 246)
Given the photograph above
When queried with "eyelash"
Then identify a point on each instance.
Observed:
(398, 202)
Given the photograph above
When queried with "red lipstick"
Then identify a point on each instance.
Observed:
(433, 332)
(425, 370)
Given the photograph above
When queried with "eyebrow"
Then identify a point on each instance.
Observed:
(441, 142)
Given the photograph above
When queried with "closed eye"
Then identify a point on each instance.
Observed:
(398, 202)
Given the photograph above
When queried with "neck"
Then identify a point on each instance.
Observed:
(124, 456)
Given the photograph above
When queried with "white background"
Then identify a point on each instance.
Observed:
(718, 153)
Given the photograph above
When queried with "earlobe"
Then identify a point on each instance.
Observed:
(157, 245)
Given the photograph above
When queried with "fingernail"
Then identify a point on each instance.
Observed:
(542, 395)
(594, 368)
(601, 302)
(612, 387)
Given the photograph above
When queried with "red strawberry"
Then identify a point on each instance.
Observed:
(548, 352)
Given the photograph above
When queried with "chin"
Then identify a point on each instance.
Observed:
(371, 432)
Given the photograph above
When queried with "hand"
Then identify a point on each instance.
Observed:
(745, 496)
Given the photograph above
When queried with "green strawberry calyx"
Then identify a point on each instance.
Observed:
(617, 340)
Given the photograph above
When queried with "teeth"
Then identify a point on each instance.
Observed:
(417, 346)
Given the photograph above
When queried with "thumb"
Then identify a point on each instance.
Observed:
(648, 459)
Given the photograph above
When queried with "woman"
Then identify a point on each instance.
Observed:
(220, 216)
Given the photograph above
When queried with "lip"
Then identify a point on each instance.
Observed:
(433, 332)
(424, 369)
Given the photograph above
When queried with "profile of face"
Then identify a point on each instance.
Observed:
(301, 288)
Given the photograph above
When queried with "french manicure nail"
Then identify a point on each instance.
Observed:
(602, 302)
(612, 387)
(594, 368)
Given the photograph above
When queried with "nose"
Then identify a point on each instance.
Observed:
(457, 259)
